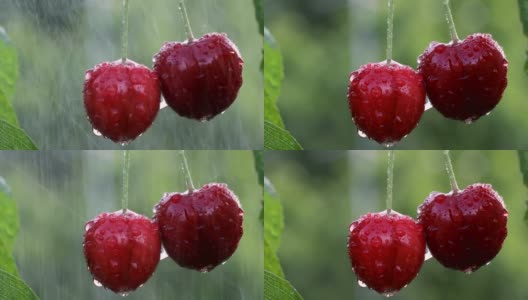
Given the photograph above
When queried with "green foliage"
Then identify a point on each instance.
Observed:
(276, 137)
(8, 229)
(14, 138)
(259, 13)
(523, 164)
(276, 288)
(8, 217)
(523, 8)
(14, 288)
(8, 77)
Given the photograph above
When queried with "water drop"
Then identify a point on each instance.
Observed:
(123, 294)
(389, 294)
(388, 144)
(88, 226)
(123, 144)
(428, 105)
(163, 103)
(361, 283)
(468, 270)
(163, 254)
(87, 76)
(428, 254)
(361, 134)
(468, 121)
(96, 132)
(97, 283)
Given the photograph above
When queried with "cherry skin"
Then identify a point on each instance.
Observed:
(386, 100)
(464, 230)
(121, 99)
(464, 80)
(200, 78)
(200, 229)
(386, 250)
(122, 250)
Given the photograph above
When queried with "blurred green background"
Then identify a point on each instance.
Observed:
(337, 36)
(58, 191)
(323, 192)
(57, 40)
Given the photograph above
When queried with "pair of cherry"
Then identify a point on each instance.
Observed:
(199, 79)
(199, 229)
(463, 230)
(464, 80)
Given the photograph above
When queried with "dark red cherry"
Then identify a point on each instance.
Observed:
(386, 100)
(464, 230)
(386, 251)
(464, 80)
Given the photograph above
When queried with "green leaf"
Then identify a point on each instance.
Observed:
(273, 76)
(276, 138)
(8, 217)
(273, 226)
(523, 8)
(8, 78)
(7, 261)
(271, 261)
(259, 13)
(14, 138)
(276, 288)
(12, 287)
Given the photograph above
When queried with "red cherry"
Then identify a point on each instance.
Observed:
(121, 250)
(386, 100)
(121, 99)
(464, 230)
(200, 78)
(200, 229)
(386, 251)
(464, 80)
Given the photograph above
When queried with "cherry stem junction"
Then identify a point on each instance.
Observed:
(124, 32)
(390, 21)
(126, 167)
(186, 172)
(450, 172)
(450, 22)
(390, 178)
(185, 17)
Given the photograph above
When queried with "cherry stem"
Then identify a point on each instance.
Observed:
(126, 167)
(185, 17)
(124, 32)
(186, 172)
(390, 21)
(450, 22)
(390, 178)
(450, 172)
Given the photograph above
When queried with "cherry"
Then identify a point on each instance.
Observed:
(122, 250)
(121, 99)
(199, 78)
(464, 229)
(200, 229)
(464, 79)
(386, 100)
(386, 250)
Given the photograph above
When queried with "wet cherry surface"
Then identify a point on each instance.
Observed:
(386, 101)
(200, 79)
(386, 250)
(465, 230)
(121, 100)
(121, 250)
(200, 229)
(464, 80)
